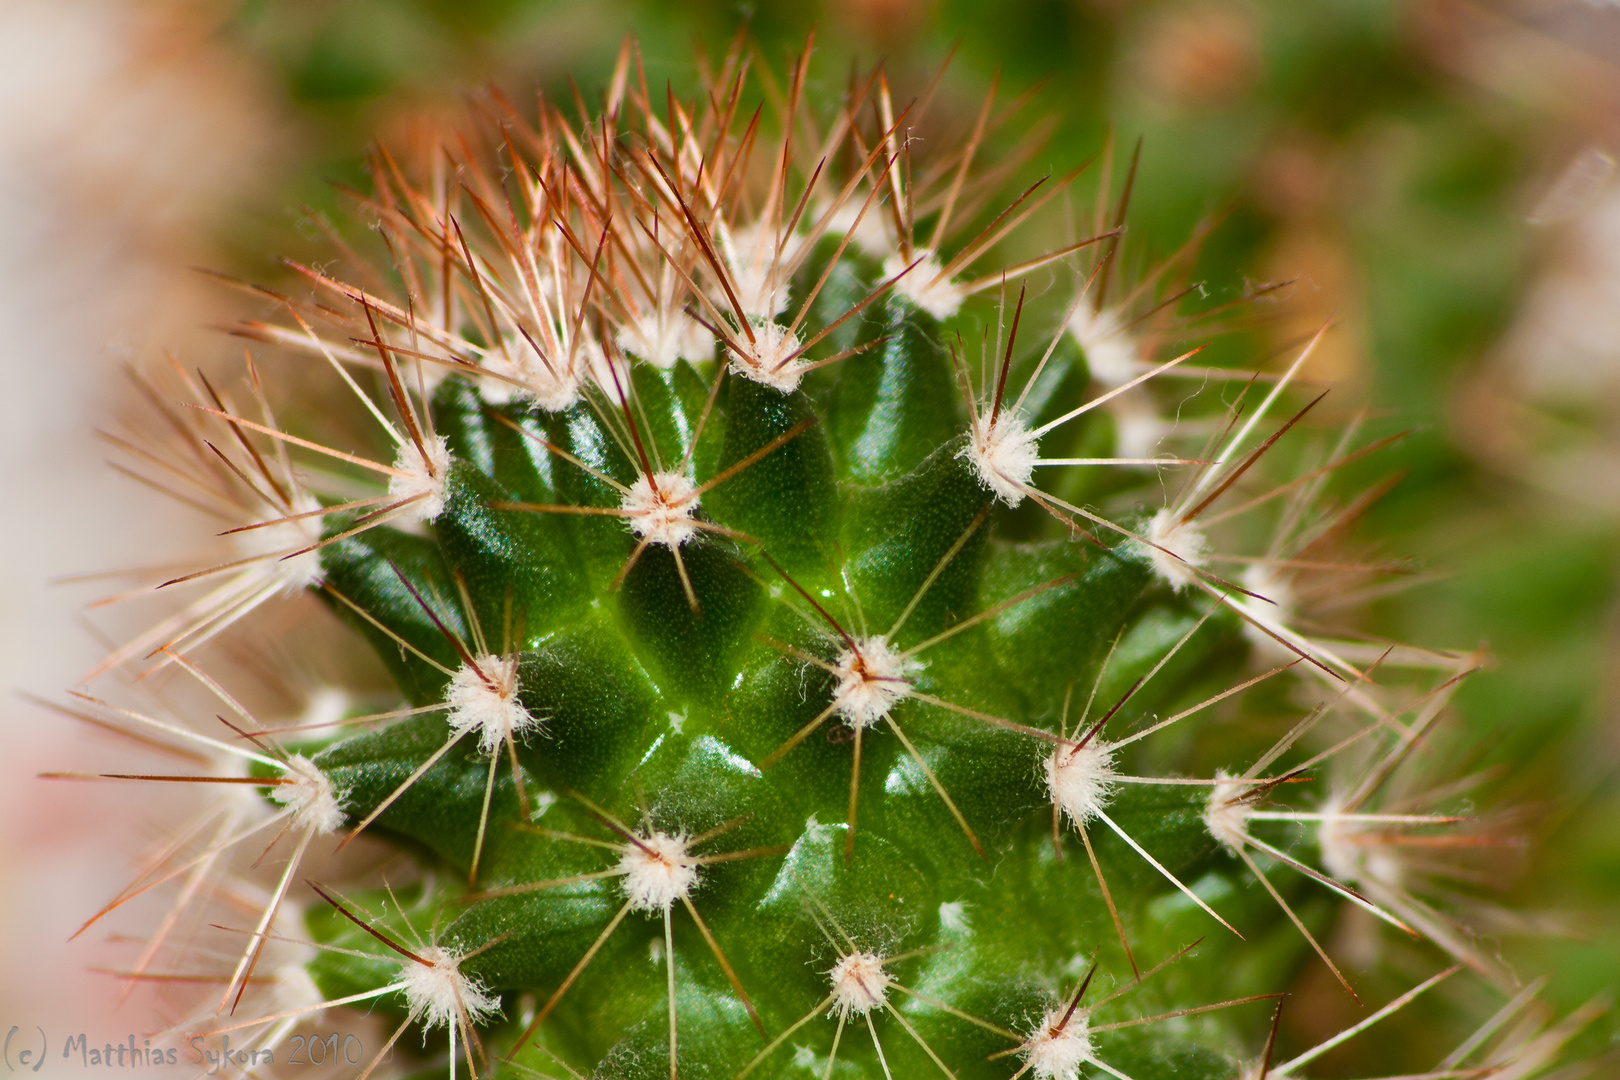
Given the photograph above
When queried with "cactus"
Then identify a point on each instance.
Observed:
(801, 668)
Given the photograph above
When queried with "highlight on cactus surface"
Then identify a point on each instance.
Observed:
(838, 625)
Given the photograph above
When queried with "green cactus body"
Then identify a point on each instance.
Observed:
(769, 717)
(654, 720)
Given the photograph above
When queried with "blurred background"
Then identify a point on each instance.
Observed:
(1437, 176)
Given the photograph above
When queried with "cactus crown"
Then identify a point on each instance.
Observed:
(803, 672)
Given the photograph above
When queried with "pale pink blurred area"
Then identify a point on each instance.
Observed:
(128, 132)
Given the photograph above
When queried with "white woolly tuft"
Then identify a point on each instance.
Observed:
(1056, 1050)
(438, 993)
(1138, 427)
(1003, 453)
(664, 338)
(310, 797)
(762, 288)
(502, 379)
(485, 699)
(870, 235)
(859, 984)
(872, 677)
(1226, 815)
(1355, 855)
(765, 359)
(940, 298)
(954, 918)
(424, 479)
(1263, 580)
(1110, 353)
(660, 510)
(554, 386)
(1175, 548)
(1080, 779)
(325, 707)
(1336, 839)
(301, 572)
(658, 871)
(558, 387)
(292, 987)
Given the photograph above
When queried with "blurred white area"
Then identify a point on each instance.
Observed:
(1565, 346)
(1546, 408)
(126, 132)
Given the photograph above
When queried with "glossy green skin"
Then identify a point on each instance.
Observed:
(647, 705)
